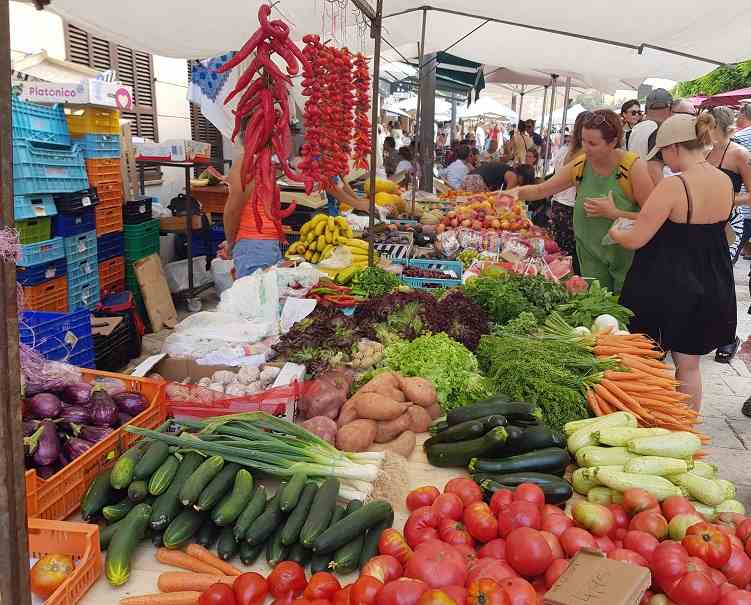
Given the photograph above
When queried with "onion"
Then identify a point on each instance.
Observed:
(103, 409)
(75, 414)
(45, 405)
(76, 394)
(74, 447)
(94, 433)
(130, 403)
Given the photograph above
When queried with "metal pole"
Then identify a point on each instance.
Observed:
(452, 136)
(375, 32)
(521, 102)
(417, 160)
(566, 95)
(544, 102)
(554, 80)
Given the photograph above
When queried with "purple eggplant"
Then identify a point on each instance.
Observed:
(130, 403)
(47, 447)
(29, 427)
(45, 472)
(74, 447)
(75, 414)
(94, 434)
(76, 394)
(122, 418)
(103, 410)
(45, 405)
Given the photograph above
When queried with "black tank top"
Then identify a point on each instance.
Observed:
(735, 177)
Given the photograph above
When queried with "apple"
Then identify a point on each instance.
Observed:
(595, 518)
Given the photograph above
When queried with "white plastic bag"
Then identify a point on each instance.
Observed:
(622, 224)
(340, 259)
(297, 281)
(221, 271)
(254, 298)
(177, 274)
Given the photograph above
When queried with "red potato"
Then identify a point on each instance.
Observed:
(357, 436)
(420, 418)
(322, 426)
(377, 407)
(388, 430)
(419, 391)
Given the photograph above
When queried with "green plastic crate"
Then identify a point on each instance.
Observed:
(34, 230)
(131, 283)
(141, 240)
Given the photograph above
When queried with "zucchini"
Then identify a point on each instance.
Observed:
(594, 455)
(167, 505)
(249, 554)
(275, 550)
(347, 557)
(353, 525)
(208, 534)
(619, 436)
(97, 495)
(156, 453)
(534, 438)
(157, 538)
(192, 488)
(321, 561)
(321, 512)
(706, 491)
(544, 461)
(123, 544)
(106, 533)
(659, 487)
(657, 465)
(218, 487)
(499, 405)
(584, 430)
(227, 547)
(438, 427)
(183, 528)
(299, 554)
(163, 476)
(678, 444)
(264, 526)
(556, 490)
(471, 429)
(461, 452)
(292, 492)
(122, 472)
(370, 544)
(137, 491)
(115, 512)
(229, 509)
(294, 523)
(250, 513)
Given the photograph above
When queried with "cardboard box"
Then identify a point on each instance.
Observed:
(149, 150)
(186, 150)
(156, 295)
(86, 92)
(592, 579)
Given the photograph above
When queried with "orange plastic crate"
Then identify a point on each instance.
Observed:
(103, 170)
(112, 276)
(60, 495)
(110, 194)
(108, 220)
(50, 295)
(81, 542)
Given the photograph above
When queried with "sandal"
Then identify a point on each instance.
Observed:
(726, 353)
(746, 408)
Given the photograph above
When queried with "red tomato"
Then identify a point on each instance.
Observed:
(437, 597)
(735, 542)
(500, 500)
(404, 591)
(575, 538)
(519, 513)
(743, 530)
(393, 543)
(454, 532)
(320, 602)
(458, 593)
(250, 588)
(530, 492)
(619, 534)
(636, 500)
(627, 556)
(343, 596)
(738, 568)
(736, 597)
(669, 561)
(641, 542)
(726, 588)
(287, 577)
(421, 526)
(555, 545)
(465, 488)
(468, 552)
(322, 585)
(646, 598)
(676, 505)
(384, 568)
(651, 522)
(486, 592)
(554, 572)
(528, 552)
(365, 591)
(707, 542)
(551, 509)
(695, 588)
(490, 568)
(697, 564)
(604, 544)
(619, 515)
(49, 572)
(288, 599)
(480, 522)
(556, 524)
(448, 506)
(495, 549)
(422, 496)
(437, 564)
(717, 576)
(217, 594)
(519, 591)
(300, 601)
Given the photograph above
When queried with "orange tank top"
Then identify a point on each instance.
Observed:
(248, 228)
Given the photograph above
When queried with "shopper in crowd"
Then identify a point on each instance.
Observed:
(658, 109)
(474, 157)
(495, 137)
(405, 167)
(499, 175)
(631, 115)
(532, 157)
(390, 156)
(743, 137)
(611, 183)
(681, 285)
(682, 107)
(480, 136)
(536, 138)
(440, 139)
(520, 143)
(458, 169)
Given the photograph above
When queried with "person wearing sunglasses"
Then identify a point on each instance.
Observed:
(631, 115)
(641, 141)
(610, 183)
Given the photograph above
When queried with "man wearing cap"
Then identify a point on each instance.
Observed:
(641, 141)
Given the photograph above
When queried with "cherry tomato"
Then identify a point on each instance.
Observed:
(448, 506)
(707, 542)
(454, 532)
(49, 572)
(217, 594)
(322, 585)
(480, 522)
(383, 567)
(530, 492)
(250, 588)
(486, 592)
(287, 577)
(422, 496)
(465, 488)
(393, 543)
(436, 597)
(365, 591)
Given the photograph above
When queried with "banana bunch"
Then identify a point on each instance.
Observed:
(319, 236)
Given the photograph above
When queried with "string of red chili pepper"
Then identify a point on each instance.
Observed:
(362, 142)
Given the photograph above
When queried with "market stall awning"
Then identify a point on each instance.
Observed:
(487, 107)
(571, 114)
(732, 97)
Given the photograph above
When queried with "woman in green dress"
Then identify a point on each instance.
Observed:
(610, 183)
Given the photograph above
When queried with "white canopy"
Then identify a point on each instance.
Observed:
(490, 108)
(571, 114)
(409, 105)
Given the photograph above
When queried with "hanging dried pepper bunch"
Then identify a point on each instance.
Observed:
(361, 81)
(263, 112)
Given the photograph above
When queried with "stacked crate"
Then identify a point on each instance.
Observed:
(141, 240)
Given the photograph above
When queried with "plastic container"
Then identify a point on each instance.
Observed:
(111, 352)
(67, 224)
(111, 194)
(111, 276)
(60, 495)
(137, 211)
(78, 540)
(104, 170)
(41, 252)
(108, 220)
(84, 293)
(31, 276)
(51, 295)
(81, 270)
(273, 401)
(141, 240)
(40, 124)
(109, 246)
(57, 336)
(33, 206)
(80, 247)
(45, 170)
(450, 267)
(34, 230)
(76, 200)
(97, 146)
(92, 120)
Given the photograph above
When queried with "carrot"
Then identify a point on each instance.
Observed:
(202, 554)
(611, 399)
(658, 365)
(638, 364)
(180, 581)
(603, 405)
(618, 392)
(636, 387)
(615, 341)
(189, 597)
(177, 558)
(626, 376)
(592, 401)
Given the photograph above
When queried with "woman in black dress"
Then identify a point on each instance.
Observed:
(681, 285)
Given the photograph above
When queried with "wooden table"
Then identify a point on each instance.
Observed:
(145, 569)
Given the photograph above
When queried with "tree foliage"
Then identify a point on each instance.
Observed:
(719, 80)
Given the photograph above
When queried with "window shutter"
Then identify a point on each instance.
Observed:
(203, 130)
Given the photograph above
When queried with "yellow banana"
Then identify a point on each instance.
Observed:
(356, 243)
(315, 258)
(320, 227)
(348, 231)
(317, 219)
(331, 223)
(321, 243)
(304, 229)
(308, 255)
(327, 251)
(341, 222)
(329, 237)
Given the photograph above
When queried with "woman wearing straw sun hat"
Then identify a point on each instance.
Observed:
(680, 286)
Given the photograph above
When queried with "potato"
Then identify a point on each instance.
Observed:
(403, 445)
(435, 411)
(419, 418)
(357, 436)
(419, 391)
(377, 407)
(386, 379)
(389, 430)
(347, 414)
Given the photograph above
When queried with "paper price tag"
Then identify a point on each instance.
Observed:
(50, 273)
(38, 210)
(70, 339)
(82, 246)
(86, 201)
(142, 209)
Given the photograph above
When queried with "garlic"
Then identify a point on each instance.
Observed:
(217, 386)
(248, 374)
(224, 376)
(204, 382)
(235, 389)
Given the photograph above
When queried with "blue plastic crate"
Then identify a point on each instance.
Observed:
(41, 252)
(110, 246)
(74, 223)
(80, 271)
(80, 247)
(33, 206)
(42, 170)
(39, 124)
(83, 357)
(84, 294)
(97, 146)
(32, 276)
(48, 332)
(450, 267)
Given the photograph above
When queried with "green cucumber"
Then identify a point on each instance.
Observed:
(163, 476)
(556, 490)
(231, 506)
(321, 561)
(106, 533)
(122, 472)
(471, 429)
(167, 505)
(208, 534)
(275, 550)
(299, 554)
(183, 528)
(292, 491)
(370, 545)
(353, 525)
(347, 557)
(461, 452)
(123, 544)
(543, 461)
(218, 487)
(321, 511)
(97, 495)
(264, 526)
(291, 531)
(157, 538)
(192, 488)
(137, 491)
(512, 410)
(227, 547)
(115, 512)
(151, 460)
(249, 554)
(250, 513)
